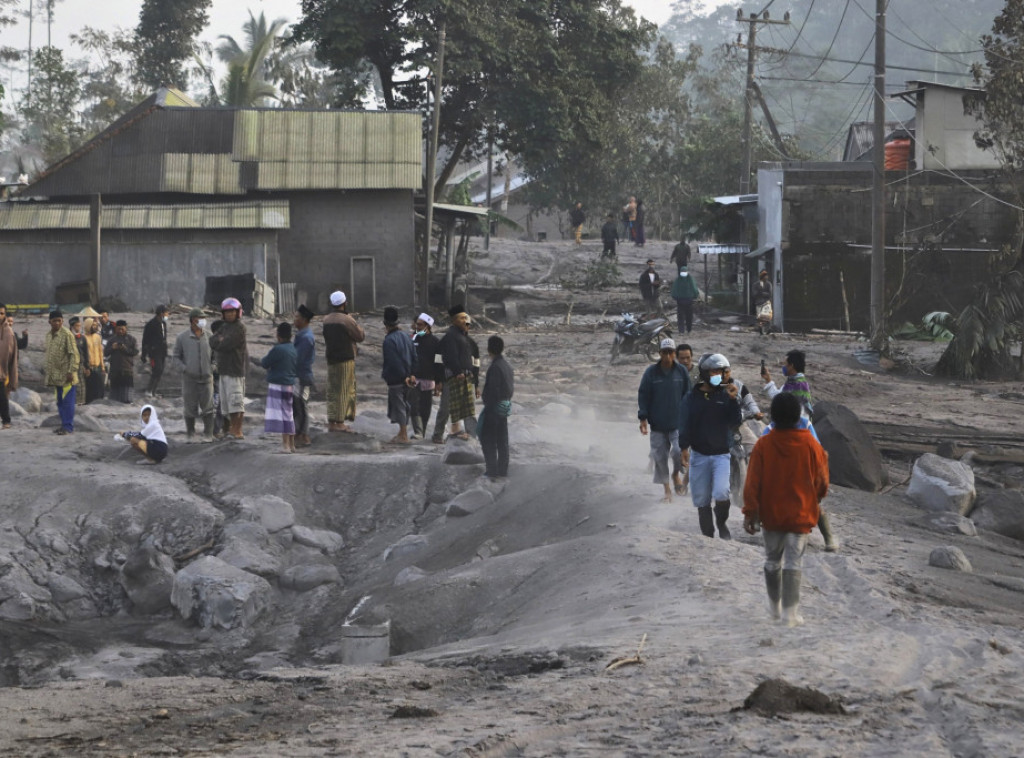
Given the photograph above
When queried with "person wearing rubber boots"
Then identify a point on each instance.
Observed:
(786, 480)
(710, 413)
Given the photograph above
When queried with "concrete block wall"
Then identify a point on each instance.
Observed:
(329, 228)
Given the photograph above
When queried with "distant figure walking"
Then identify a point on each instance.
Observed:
(609, 237)
(660, 399)
(629, 218)
(681, 255)
(120, 352)
(684, 292)
(639, 234)
(786, 480)
(341, 335)
(576, 219)
(650, 284)
(763, 303)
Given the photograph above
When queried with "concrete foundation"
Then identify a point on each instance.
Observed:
(361, 645)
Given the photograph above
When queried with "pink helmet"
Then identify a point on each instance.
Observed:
(231, 304)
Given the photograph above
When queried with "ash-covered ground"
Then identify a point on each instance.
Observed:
(503, 620)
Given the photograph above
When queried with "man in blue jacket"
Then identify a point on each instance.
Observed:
(398, 373)
(710, 413)
(660, 410)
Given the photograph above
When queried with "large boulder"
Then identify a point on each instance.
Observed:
(84, 422)
(948, 522)
(853, 459)
(249, 546)
(469, 502)
(322, 539)
(148, 579)
(218, 595)
(939, 484)
(949, 557)
(273, 512)
(28, 399)
(461, 452)
(1001, 512)
(306, 578)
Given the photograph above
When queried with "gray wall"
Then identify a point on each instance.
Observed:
(329, 228)
(30, 271)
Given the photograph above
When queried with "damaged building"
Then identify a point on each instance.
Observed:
(171, 193)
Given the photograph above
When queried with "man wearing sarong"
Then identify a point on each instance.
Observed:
(120, 351)
(458, 391)
(95, 377)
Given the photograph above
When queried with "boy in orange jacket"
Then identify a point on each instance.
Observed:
(786, 479)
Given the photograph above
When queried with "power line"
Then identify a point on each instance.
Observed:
(944, 53)
(830, 44)
(863, 63)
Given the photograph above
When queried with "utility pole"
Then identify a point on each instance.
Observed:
(490, 183)
(748, 98)
(432, 166)
(878, 189)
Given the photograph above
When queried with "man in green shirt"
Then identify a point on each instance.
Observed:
(61, 368)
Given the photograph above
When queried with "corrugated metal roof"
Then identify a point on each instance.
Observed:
(270, 214)
(201, 174)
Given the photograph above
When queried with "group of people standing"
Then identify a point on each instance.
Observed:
(691, 423)
(631, 226)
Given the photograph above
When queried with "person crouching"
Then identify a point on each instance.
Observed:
(150, 441)
(786, 479)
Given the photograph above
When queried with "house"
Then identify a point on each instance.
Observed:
(943, 131)
(171, 193)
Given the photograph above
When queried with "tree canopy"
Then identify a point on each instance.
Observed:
(536, 76)
(166, 34)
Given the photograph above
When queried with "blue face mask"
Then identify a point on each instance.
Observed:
(420, 333)
(785, 372)
(715, 380)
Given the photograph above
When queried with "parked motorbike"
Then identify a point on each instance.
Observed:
(635, 335)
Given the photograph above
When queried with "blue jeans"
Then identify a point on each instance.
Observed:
(709, 478)
(66, 408)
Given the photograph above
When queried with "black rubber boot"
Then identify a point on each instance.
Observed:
(190, 428)
(826, 531)
(773, 583)
(208, 428)
(707, 521)
(721, 516)
(791, 598)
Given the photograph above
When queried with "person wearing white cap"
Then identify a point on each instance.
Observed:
(230, 346)
(660, 410)
(429, 371)
(341, 333)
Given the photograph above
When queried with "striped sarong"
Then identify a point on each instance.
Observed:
(341, 391)
(279, 417)
(460, 399)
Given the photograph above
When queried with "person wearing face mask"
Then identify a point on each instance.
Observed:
(428, 373)
(193, 356)
(154, 347)
(710, 413)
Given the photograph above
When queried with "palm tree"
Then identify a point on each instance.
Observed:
(246, 83)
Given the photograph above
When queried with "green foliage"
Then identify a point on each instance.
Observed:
(166, 33)
(246, 83)
(110, 85)
(598, 275)
(50, 112)
(537, 75)
(935, 326)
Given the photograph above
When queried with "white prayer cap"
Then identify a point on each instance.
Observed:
(338, 298)
(425, 319)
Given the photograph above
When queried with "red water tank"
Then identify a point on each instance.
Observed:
(897, 155)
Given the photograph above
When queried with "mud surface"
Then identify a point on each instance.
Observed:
(503, 621)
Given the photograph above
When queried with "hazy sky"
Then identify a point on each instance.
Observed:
(226, 16)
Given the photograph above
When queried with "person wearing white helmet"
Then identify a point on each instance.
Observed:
(710, 413)
(660, 399)
(229, 345)
(341, 334)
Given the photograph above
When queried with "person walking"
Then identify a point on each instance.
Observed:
(639, 233)
(282, 374)
(193, 355)
(609, 237)
(120, 353)
(232, 353)
(763, 302)
(681, 255)
(577, 217)
(95, 376)
(398, 372)
(796, 384)
(629, 218)
(341, 335)
(710, 413)
(305, 350)
(61, 370)
(663, 388)
(429, 373)
(684, 292)
(650, 284)
(8, 367)
(787, 479)
(499, 387)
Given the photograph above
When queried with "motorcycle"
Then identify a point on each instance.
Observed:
(638, 335)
